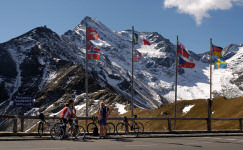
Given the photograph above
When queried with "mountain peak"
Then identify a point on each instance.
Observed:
(38, 32)
(89, 20)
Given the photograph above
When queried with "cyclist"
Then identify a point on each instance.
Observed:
(71, 106)
(103, 112)
(66, 114)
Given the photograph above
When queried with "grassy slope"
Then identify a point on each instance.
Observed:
(222, 108)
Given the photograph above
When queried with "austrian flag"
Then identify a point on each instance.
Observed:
(91, 34)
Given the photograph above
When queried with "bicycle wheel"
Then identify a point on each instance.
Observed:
(79, 132)
(57, 131)
(40, 129)
(121, 128)
(91, 127)
(70, 132)
(110, 128)
(138, 127)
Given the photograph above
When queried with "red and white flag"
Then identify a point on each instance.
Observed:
(91, 34)
(93, 53)
(136, 55)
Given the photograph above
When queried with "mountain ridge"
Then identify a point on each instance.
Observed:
(35, 59)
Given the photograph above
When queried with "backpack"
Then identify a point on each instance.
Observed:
(95, 131)
(42, 117)
(103, 111)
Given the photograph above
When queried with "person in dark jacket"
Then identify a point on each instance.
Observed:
(103, 113)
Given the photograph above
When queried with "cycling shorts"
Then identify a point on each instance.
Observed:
(103, 122)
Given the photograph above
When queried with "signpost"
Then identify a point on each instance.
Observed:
(23, 101)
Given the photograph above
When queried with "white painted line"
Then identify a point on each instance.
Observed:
(207, 142)
(216, 138)
(141, 145)
(206, 137)
(43, 148)
(231, 139)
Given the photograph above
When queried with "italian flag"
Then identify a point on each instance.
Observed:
(142, 41)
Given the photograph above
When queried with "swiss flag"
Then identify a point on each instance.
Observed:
(91, 34)
(145, 42)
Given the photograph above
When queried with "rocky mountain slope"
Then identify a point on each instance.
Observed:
(50, 67)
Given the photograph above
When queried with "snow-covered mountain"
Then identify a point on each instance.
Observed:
(50, 67)
(155, 73)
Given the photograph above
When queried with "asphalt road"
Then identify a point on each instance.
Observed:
(171, 143)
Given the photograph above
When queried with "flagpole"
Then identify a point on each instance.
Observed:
(176, 82)
(86, 77)
(210, 100)
(211, 68)
(132, 71)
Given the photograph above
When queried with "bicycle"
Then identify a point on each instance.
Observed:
(92, 126)
(43, 125)
(75, 130)
(123, 127)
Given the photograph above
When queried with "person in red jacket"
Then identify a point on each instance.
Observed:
(66, 114)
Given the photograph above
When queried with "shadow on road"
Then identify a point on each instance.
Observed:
(122, 140)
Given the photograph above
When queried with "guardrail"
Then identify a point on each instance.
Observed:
(169, 120)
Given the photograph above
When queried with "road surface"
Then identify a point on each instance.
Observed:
(169, 143)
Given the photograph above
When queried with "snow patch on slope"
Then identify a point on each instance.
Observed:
(187, 109)
(121, 108)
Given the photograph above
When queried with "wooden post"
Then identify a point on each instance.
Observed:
(240, 123)
(209, 120)
(169, 124)
(15, 125)
(22, 119)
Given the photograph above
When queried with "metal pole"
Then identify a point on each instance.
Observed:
(211, 68)
(132, 69)
(86, 77)
(210, 100)
(176, 82)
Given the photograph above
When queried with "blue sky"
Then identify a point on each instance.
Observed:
(224, 24)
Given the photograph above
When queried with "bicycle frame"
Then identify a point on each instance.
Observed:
(137, 127)
(43, 123)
